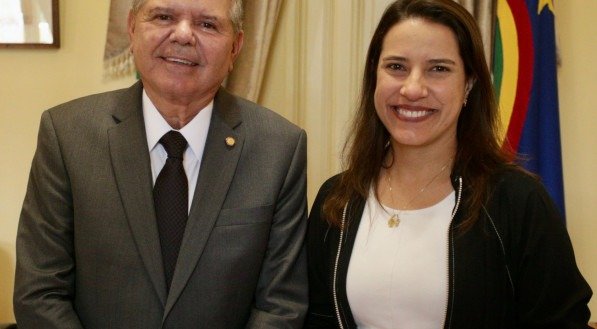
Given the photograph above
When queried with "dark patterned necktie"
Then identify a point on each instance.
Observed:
(170, 197)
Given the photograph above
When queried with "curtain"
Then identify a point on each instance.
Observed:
(245, 79)
(484, 12)
(260, 24)
(118, 61)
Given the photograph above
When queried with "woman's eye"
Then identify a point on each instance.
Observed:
(163, 17)
(440, 68)
(395, 67)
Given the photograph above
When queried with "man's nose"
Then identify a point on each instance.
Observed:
(183, 33)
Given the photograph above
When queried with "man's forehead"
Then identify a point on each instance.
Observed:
(212, 5)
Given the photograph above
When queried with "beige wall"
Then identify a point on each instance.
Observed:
(575, 31)
(33, 80)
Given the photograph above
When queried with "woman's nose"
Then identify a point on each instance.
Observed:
(414, 86)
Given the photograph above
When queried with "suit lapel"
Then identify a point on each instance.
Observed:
(215, 176)
(132, 168)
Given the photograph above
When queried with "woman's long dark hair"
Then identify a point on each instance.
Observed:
(478, 153)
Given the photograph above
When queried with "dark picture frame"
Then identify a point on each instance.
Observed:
(16, 24)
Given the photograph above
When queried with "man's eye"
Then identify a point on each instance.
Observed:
(208, 26)
(163, 17)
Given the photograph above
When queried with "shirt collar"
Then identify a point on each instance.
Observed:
(195, 132)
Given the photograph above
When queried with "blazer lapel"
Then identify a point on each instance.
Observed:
(215, 176)
(132, 168)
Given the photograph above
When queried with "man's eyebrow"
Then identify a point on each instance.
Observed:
(160, 10)
(212, 17)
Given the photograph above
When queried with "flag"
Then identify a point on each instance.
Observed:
(525, 79)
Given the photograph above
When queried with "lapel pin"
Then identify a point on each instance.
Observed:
(230, 141)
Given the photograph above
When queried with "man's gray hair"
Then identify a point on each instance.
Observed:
(236, 12)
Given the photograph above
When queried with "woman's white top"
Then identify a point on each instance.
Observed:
(398, 277)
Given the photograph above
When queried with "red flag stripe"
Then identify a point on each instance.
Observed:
(525, 71)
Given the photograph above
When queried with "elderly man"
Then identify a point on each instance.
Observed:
(170, 204)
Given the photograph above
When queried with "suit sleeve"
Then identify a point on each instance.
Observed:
(45, 284)
(281, 294)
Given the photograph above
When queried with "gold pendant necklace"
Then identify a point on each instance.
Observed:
(394, 220)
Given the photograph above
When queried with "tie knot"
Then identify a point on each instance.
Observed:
(174, 143)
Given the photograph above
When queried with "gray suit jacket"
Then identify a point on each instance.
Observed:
(88, 253)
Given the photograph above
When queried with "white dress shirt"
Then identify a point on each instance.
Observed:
(195, 132)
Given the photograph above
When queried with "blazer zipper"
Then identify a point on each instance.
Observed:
(448, 319)
(334, 288)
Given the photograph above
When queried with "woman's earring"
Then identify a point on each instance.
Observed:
(465, 98)
(466, 92)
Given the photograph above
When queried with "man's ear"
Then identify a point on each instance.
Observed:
(130, 24)
(237, 45)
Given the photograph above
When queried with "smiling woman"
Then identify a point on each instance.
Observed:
(29, 24)
(430, 225)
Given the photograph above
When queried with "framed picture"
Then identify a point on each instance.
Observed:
(29, 24)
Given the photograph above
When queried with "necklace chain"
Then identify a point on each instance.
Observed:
(394, 219)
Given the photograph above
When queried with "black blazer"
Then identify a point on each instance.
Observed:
(514, 269)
